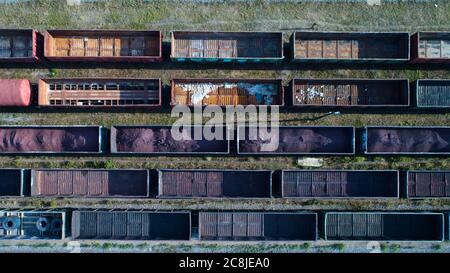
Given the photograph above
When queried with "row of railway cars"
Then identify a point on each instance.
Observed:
(224, 183)
(27, 45)
(249, 140)
(305, 93)
(223, 225)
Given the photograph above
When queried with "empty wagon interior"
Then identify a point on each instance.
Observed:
(310, 45)
(434, 45)
(227, 92)
(16, 43)
(215, 183)
(11, 182)
(407, 140)
(334, 92)
(433, 93)
(90, 183)
(131, 225)
(322, 184)
(257, 226)
(71, 43)
(296, 140)
(384, 226)
(226, 45)
(99, 92)
(428, 184)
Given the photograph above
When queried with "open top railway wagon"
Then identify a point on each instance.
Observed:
(322, 184)
(100, 92)
(226, 46)
(103, 45)
(352, 47)
(384, 226)
(270, 226)
(292, 140)
(18, 45)
(225, 92)
(381, 93)
(43, 139)
(160, 139)
(431, 93)
(214, 183)
(391, 140)
(430, 47)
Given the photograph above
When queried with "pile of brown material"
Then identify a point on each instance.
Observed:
(289, 141)
(153, 140)
(406, 140)
(47, 140)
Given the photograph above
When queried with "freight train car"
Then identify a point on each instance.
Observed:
(216, 183)
(18, 45)
(430, 47)
(15, 92)
(157, 139)
(226, 46)
(350, 93)
(384, 226)
(103, 45)
(225, 92)
(36, 139)
(354, 47)
(406, 140)
(34, 225)
(13, 182)
(90, 183)
(100, 92)
(432, 93)
(131, 225)
(268, 226)
(428, 184)
(339, 184)
(295, 140)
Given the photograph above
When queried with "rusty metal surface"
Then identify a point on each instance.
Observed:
(340, 184)
(428, 184)
(214, 183)
(18, 45)
(350, 92)
(356, 46)
(430, 47)
(89, 183)
(226, 45)
(103, 45)
(227, 92)
(100, 92)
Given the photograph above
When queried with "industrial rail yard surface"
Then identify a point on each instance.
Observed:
(102, 124)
